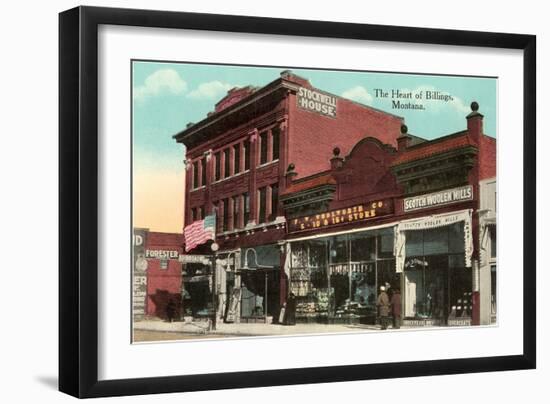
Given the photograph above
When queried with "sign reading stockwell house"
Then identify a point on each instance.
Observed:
(316, 101)
(445, 197)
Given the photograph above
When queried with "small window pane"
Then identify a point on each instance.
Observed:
(225, 214)
(237, 158)
(339, 250)
(262, 211)
(246, 208)
(263, 148)
(274, 201)
(236, 212)
(276, 133)
(203, 171)
(195, 174)
(227, 163)
(363, 247)
(246, 155)
(218, 170)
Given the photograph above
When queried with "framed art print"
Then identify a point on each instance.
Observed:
(273, 202)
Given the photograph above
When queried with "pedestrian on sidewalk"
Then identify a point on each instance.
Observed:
(396, 308)
(289, 317)
(170, 310)
(383, 304)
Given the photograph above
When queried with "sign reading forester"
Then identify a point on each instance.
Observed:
(316, 101)
(445, 197)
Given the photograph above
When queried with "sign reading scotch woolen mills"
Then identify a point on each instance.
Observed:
(316, 101)
(448, 196)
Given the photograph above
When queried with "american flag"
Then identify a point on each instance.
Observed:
(199, 232)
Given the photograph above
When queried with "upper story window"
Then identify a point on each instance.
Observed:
(269, 143)
(263, 147)
(218, 168)
(225, 204)
(195, 183)
(236, 212)
(246, 147)
(246, 208)
(203, 171)
(237, 158)
(227, 163)
(274, 201)
(262, 207)
(275, 136)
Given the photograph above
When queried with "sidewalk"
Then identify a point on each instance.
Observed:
(250, 329)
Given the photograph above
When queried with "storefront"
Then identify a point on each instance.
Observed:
(335, 279)
(157, 275)
(197, 290)
(434, 255)
(249, 280)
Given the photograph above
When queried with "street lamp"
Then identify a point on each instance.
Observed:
(214, 247)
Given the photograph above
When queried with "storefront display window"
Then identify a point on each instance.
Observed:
(337, 278)
(197, 283)
(259, 277)
(437, 283)
(309, 282)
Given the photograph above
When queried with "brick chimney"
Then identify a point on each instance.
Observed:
(336, 162)
(404, 140)
(475, 123)
(290, 174)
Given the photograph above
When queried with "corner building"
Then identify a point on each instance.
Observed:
(328, 199)
(157, 275)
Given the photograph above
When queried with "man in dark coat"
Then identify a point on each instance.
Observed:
(170, 310)
(383, 304)
(396, 308)
(290, 310)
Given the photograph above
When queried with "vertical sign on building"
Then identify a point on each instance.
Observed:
(139, 295)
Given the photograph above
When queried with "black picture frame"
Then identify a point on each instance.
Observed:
(78, 201)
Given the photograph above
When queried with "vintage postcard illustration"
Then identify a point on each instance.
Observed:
(283, 201)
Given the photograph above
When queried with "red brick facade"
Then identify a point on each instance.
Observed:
(266, 159)
(269, 115)
(163, 272)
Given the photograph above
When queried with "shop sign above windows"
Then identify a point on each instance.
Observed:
(357, 213)
(445, 197)
(162, 254)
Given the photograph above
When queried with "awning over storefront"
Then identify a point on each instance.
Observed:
(432, 222)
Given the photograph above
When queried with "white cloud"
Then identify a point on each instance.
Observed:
(210, 90)
(163, 81)
(359, 94)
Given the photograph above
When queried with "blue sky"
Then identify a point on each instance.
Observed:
(166, 96)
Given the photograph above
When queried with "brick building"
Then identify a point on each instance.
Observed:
(157, 273)
(328, 199)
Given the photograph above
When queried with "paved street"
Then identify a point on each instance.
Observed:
(158, 330)
(145, 336)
